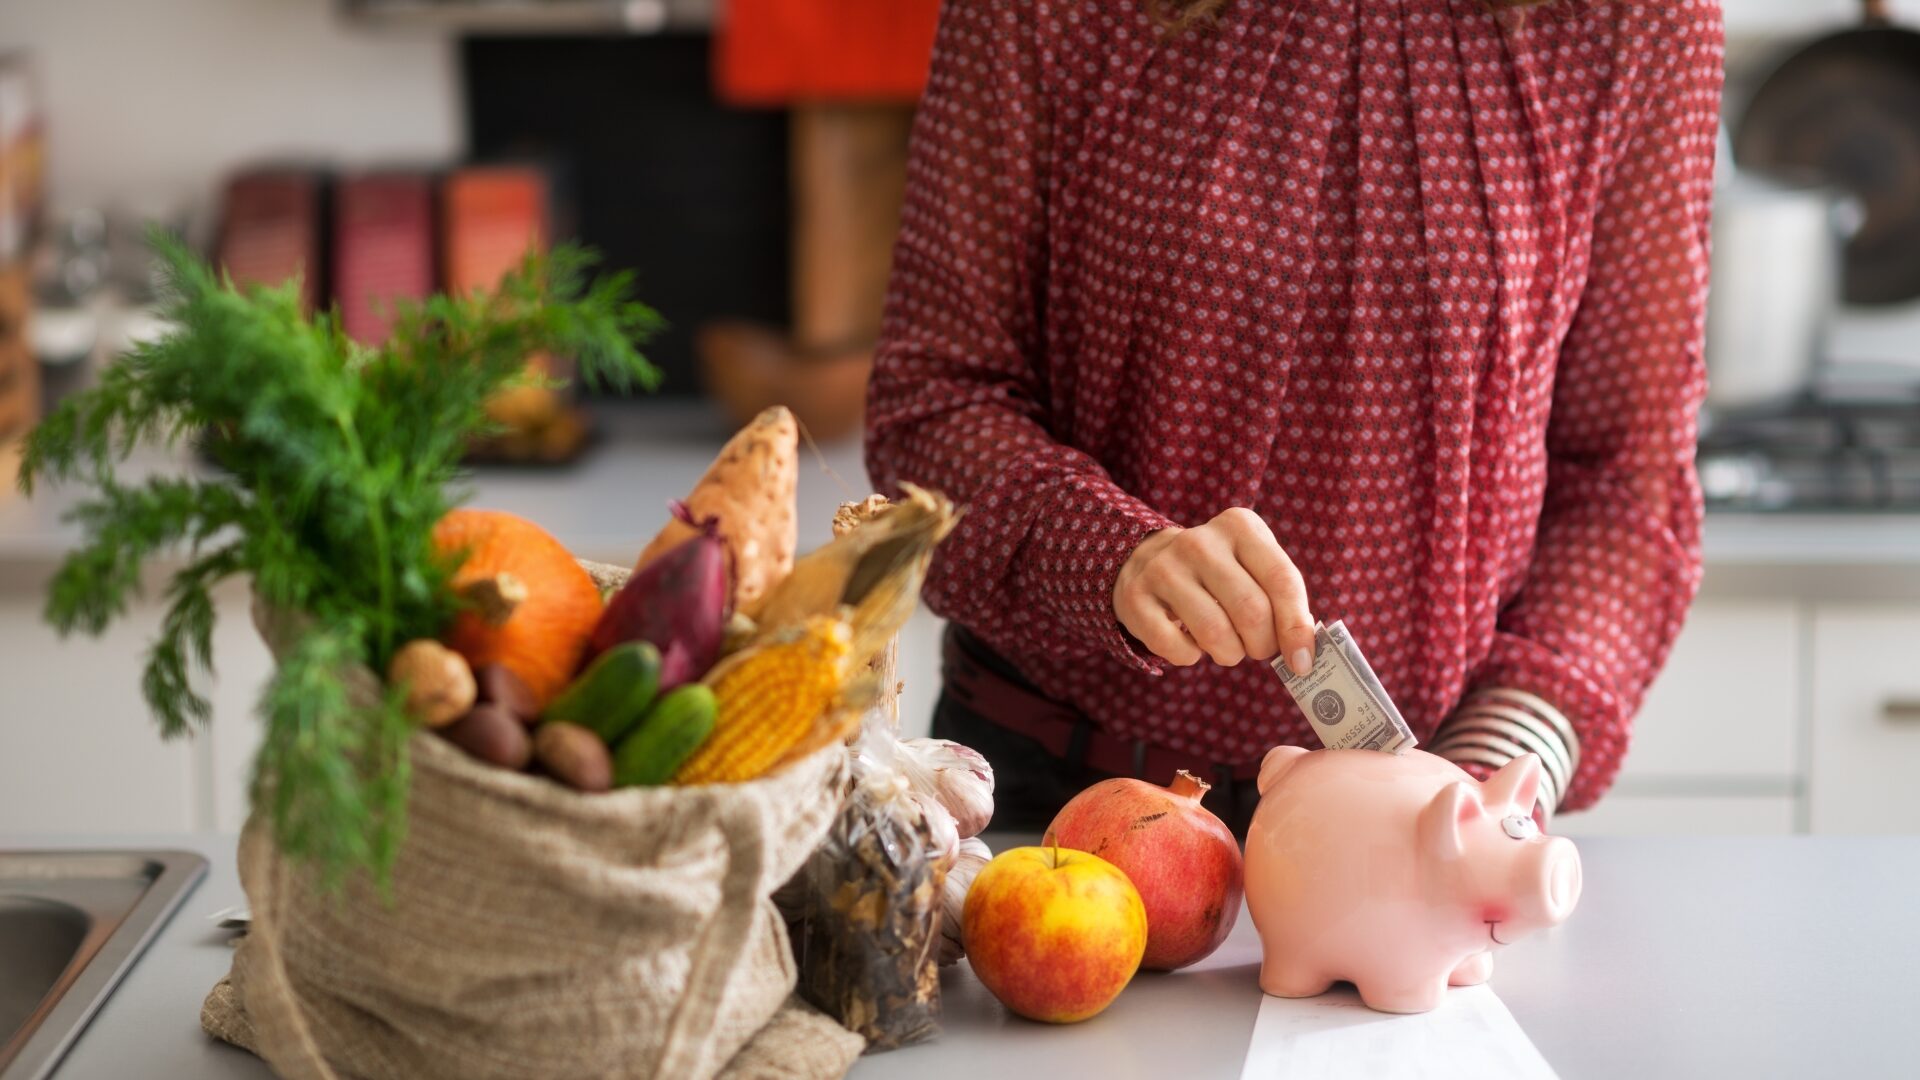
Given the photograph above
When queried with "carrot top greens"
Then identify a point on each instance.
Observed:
(335, 461)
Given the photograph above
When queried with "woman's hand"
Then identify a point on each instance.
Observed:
(1225, 589)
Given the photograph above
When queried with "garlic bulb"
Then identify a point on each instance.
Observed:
(945, 844)
(955, 775)
(974, 854)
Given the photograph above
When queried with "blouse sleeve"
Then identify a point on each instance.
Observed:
(1617, 558)
(957, 401)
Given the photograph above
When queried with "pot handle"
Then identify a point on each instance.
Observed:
(1875, 11)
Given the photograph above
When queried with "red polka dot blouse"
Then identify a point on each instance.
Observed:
(1424, 291)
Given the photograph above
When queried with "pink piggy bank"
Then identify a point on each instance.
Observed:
(1398, 873)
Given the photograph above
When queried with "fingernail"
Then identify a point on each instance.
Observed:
(1301, 661)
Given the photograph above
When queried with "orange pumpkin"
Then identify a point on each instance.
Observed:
(531, 607)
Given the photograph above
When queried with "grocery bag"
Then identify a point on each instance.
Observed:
(534, 931)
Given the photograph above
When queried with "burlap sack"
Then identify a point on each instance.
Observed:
(536, 932)
(533, 931)
(799, 1043)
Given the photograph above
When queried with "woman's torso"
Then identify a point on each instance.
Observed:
(1318, 260)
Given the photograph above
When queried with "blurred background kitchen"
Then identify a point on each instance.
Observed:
(744, 158)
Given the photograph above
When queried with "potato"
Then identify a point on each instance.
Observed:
(440, 687)
(500, 686)
(492, 734)
(574, 755)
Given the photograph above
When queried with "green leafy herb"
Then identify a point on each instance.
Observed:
(336, 461)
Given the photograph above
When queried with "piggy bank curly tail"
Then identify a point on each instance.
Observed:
(1276, 763)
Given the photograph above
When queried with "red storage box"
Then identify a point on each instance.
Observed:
(777, 52)
(382, 248)
(270, 230)
(490, 216)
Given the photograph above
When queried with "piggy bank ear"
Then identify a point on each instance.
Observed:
(1516, 785)
(1455, 808)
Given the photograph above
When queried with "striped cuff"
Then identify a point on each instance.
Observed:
(1495, 725)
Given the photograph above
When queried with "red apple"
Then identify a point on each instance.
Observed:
(1056, 934)
(1182, 858)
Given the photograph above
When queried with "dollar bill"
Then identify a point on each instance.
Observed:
(1343, 698)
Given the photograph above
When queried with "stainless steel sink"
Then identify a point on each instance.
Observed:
(71, 924)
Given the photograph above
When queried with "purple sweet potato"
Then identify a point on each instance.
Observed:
(680, 602)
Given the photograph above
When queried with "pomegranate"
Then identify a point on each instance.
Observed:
(1182, 859)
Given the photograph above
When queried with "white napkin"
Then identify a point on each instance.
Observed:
(1471, 1036)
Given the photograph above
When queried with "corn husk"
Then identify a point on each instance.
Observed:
(852, 515)
(886, 664)
(875, 567)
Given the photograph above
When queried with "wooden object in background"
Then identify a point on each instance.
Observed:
(848, 164)
(23, 156)
(19, 373)
(851, 70)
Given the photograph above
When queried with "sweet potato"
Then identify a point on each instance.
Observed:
(750, 489)
(680, 602)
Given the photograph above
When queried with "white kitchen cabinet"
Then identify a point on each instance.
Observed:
(244, 666)
(1866, 708)
(1682, 815)
(79, 752)
(1729, 701)
(1717, 745)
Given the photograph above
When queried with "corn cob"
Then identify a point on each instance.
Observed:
(769, 698)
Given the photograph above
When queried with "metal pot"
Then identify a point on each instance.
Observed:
(1777, 255)
(1845, 108)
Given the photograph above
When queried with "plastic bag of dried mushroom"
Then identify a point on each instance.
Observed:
(870, 934)
(869, 940)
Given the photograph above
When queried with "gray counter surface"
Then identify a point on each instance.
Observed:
(652, 451)
(1688, 957)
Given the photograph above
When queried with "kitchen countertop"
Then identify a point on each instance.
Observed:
(1688, 957)
(652, 451)
(603, 506)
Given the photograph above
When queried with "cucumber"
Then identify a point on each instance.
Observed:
(611, 696)
(673, 729)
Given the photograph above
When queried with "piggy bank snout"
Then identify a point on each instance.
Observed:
(1550, 881)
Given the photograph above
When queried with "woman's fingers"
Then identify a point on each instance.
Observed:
(1266, 562)
(1200, 612)
(1225, 589)
(1147, 618)
(1143, 613)
(1246, 604)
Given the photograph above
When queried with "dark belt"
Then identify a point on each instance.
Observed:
(988, 686)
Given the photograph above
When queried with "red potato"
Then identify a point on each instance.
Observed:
(499, 685)
(493, 735)
(575, 756)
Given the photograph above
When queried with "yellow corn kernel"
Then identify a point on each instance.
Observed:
(770, 700)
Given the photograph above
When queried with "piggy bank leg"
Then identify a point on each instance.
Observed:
(1416, 997)
(1473, 971)
(1292, 980)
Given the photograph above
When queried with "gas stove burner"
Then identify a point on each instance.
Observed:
(1817, 453)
